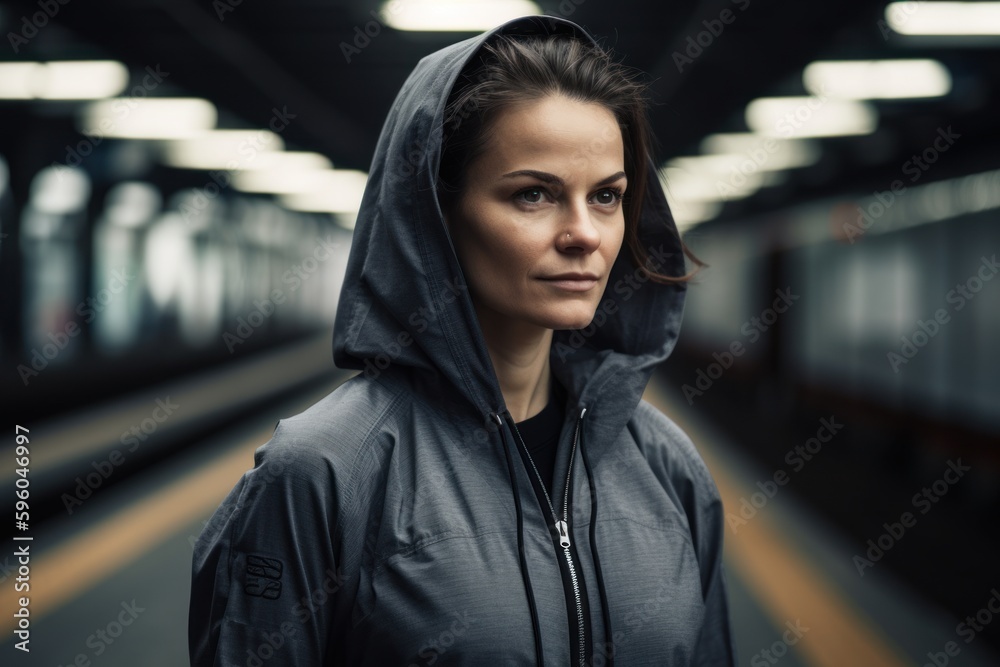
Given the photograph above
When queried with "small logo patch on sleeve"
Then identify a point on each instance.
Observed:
(263, 577)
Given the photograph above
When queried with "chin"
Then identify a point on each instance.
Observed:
(578, 319)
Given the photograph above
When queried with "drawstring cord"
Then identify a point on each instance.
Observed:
(520, 545)
(608, 632)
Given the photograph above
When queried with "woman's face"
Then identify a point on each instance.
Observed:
(552, 166)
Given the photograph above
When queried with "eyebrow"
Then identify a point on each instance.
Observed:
(552, 178)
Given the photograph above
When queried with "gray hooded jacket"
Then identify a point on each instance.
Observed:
(393, 522)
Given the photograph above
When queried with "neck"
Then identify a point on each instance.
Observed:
(520, 354)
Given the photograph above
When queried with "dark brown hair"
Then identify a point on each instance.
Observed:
(511, 70)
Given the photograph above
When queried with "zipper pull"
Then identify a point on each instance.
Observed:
(563, 530)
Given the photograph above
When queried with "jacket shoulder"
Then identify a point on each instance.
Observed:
(334, 431)
(669, 450)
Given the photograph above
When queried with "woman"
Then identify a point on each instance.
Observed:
(490, 489)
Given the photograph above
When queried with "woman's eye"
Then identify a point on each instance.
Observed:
(531, 195)
(608, 196)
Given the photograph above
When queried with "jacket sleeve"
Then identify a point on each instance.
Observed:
(264, 577)
(716, 644)
(691, 479)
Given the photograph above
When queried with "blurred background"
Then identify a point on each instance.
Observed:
(178, 184)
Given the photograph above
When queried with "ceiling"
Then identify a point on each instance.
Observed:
(250, 57)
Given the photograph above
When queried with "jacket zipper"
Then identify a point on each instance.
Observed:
(562, 526)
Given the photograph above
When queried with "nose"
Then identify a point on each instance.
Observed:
(577, 231)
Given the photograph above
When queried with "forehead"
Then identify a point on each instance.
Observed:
(557, 134)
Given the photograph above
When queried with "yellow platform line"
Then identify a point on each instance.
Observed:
(784, 584)
(62, 574)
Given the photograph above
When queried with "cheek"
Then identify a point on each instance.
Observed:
(614, 241)
(499, 244)
(488, 255)
(481, 244)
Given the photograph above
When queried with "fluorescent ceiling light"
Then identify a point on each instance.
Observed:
(63, 80)
(323, 202)
(944, 18)
(450, 15)
(93, 79)
(218, 149)
(732, 164)
(288, 161)
(686, 185)
(763, 153)
(688, 213)
(877, 79)
(148, 118)
(299, 182)
(798, 117)
(339, 191)
(337, 201)
(17, 80)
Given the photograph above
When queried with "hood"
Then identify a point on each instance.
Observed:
(404, 301)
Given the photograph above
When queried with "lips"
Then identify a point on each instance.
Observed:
(572, 276)
(573, 282)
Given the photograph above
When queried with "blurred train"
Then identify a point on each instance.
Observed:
(878, 317)
(111, 281)
(890, 299)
